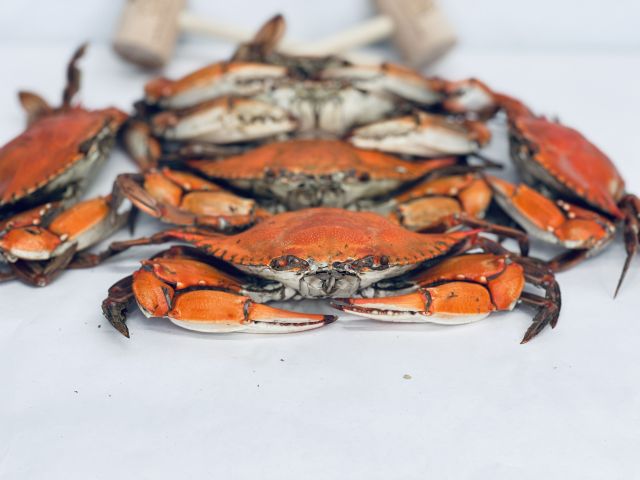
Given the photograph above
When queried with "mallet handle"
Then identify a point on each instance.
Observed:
(370, 31)
(194, 24)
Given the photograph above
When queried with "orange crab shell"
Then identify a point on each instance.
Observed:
(325, 236)
(572, 160)
(317, 157)
(48, 148)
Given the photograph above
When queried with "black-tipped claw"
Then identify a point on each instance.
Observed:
(114, 307)
(116, 314)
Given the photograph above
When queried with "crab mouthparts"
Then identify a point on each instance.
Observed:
(329, 284)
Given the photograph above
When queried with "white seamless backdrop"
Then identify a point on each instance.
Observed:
(79, 401)
(492, 24)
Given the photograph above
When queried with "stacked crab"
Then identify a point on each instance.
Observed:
(43, 173)
(294, 177)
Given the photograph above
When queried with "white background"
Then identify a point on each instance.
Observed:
(80, 401)
(585, 25)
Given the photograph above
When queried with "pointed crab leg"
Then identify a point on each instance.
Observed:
(73, 77)
(465, 289)
(34, 105)
(196, 296)
(630, 207)
(41, 274)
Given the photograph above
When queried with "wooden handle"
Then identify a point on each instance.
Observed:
(372, 31)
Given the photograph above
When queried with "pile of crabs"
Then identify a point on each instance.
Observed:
(288, 177)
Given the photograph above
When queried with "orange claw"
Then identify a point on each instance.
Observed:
(29, 243)
(448, 304)
(432, 202)
(197, 296)
(555, 222)
(465, 289)
(181, 198)
(202, 309)
(221, 312)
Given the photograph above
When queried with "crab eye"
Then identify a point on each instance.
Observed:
(288, 262)
(366, 262)
(371, 262)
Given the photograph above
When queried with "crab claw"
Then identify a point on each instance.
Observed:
(213, 81)
(224, 120)
(469, 96)
(165, 195)
(387, 77)
(423, 135)
(140, 144)
(221, 312)
(202, 309)
(448, 304)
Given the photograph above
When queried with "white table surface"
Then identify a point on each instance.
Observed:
(80, 401)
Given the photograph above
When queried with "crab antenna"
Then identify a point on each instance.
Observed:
(73, 77)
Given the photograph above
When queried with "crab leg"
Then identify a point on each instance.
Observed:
(41, 274)
(465, 289)
(7, 275)
(631, 210)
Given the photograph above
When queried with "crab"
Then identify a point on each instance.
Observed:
(313, 172)
(569, 166)
(55, 157)
(260, 95)
(298, 174)
(402, 276)
(39, 243)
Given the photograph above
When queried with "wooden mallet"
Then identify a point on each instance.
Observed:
(149, 29)
(419, 29)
